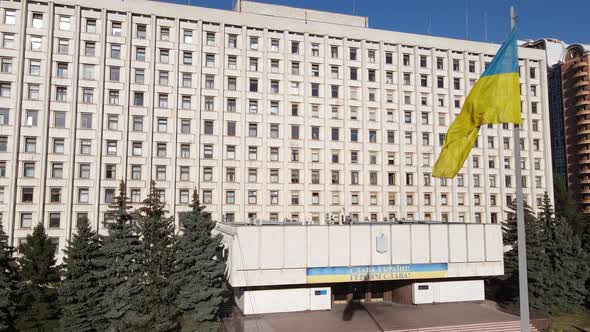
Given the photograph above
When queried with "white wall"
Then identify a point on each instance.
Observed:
(283, 300)
(279, 255)
(448, 291)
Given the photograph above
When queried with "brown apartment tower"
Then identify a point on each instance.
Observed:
(569, 104)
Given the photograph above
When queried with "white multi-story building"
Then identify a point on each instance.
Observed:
(272, 113)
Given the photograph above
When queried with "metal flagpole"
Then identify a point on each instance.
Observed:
(522, 263)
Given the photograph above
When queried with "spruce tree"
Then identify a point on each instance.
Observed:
(82, 287)
(198, 270)
(7, 283)
(121, 259)
(156, 305)
(38, 305)
(567, 268)
(536, 261)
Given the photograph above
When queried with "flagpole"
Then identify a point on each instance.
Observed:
(523, 288)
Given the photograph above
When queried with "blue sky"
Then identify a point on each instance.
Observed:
(537, 18)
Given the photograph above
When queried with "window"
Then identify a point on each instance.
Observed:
(253, 85)
(164, 56)
(274, 86)
(274, 197)
(187, 36)
(58, 145)
(423, 61)
(210, 38)
(111, 147)
(135, 195)
(274, 154)
(315, 49)
(86, 121)
(62, 46)
(28, 169)
(30, 144)
(85, 147)
(6, 65)
(210, 60)
(231, 128)
(115, 51)
(90, 25)
(64, 22)
(4, 89)
(137, 98)
(31, 118)
(274, 45)
(334, 89)
(114, 73)
(8, 40)
(59, 119)
(440, 64)
(57, 170)
(83, 195)
(9, 17)
(230, 197)
(4, 116)
(89, 48)
(141, 31)
(136, 172)
(187, 58)
(116, 28)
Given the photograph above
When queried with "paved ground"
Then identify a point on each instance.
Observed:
(373, 317)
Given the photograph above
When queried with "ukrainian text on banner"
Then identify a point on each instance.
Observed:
(376, 272)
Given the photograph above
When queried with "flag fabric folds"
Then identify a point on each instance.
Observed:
(495, 98)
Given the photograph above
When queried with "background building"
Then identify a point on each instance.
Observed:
(569, 108)
(273, 113)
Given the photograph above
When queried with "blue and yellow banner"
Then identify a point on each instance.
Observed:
(376, 272)
(495, 98)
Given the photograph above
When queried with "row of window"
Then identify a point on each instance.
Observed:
(83, 197)
(116, 29)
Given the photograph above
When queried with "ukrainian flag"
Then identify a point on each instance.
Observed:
(495, 98)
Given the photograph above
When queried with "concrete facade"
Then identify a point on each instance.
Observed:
(280, 255)
(272, 113)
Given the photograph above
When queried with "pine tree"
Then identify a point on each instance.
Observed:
(157, 232)
(567, 268)
(121, 259)
(38, 305)
(7, 283)
(199, 270)
(82, 286)
(536, 261)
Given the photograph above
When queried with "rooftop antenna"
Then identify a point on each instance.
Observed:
(429, 29)
(466, 19)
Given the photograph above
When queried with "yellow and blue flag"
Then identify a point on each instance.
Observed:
(495, 98)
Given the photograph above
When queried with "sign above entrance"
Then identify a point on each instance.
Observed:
(376, 272)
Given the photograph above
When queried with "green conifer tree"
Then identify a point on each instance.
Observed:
(199, 270)
(38, 306)
(7, 283)
(82, 286)
(536, 261)
(156, 306)
(121, 260)
(567, 269)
